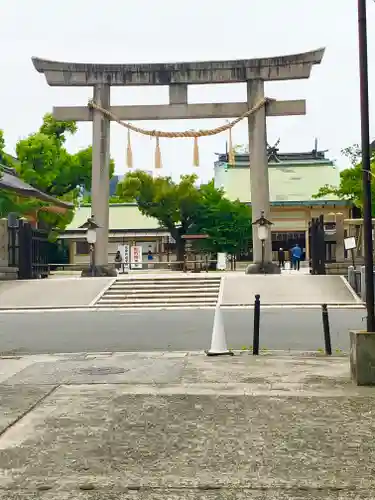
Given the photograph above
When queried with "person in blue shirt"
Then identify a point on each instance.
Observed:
(150, 258)
(296, 256)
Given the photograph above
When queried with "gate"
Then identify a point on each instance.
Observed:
(28, 250)
(317, 246)
(13, 248)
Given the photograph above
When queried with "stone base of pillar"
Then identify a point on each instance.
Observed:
(362, 357)
(100, 272)
(267, 268)
(8, 273)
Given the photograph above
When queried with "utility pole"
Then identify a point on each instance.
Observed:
(366, 164)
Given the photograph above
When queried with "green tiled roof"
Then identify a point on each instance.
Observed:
(126, 216)
(288, 183)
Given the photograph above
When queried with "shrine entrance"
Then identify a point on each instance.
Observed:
(178, 76)
(287, 240)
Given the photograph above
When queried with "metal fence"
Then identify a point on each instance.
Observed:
(28, 250)
(153, 265)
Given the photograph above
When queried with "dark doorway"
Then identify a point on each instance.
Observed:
(287, 240)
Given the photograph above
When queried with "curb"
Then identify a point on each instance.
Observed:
(237, 352)
(91, 309)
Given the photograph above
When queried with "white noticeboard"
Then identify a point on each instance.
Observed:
(221, 264)
(136, 257)
(349, 243)
(125, 254)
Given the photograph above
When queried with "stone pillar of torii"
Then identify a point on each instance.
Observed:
(254, 72)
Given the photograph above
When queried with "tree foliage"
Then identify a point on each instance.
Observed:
(184, 208)
(172, 204)
(5, 159)
(227, 223)
(350, 187)
(9, 202)
(44, 162)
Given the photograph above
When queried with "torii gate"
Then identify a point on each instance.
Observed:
(178, 76)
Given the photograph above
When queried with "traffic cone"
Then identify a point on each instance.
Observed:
(218, 341)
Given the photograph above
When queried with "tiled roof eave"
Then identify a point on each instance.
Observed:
(12, 183)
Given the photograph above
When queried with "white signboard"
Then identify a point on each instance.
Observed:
(125, 254)
(349, 243)
(136, 257)
(221, 261)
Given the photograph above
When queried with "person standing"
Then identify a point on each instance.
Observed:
(281, 257)
(150, 258)
(118, 261)
(296, 256)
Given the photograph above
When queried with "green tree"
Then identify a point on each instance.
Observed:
(227, 223)
(173, 204)
(350, 187)
(5, 159)
(45, 163)
(8, 201)
(184, 208)
(12, 203)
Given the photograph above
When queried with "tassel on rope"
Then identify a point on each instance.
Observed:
(129, 153)
(231, 156)
(196, 153)
(157, 154)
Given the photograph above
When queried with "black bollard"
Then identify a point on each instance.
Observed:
(256, 325)
(326, 330)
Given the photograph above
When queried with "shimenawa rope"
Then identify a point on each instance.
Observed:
(179, 135)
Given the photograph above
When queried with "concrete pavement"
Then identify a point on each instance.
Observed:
(287, 289)
(152, 426)
(72, 331)
(290, 288)
(70, 292)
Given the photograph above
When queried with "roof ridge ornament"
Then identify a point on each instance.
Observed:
(273, 152)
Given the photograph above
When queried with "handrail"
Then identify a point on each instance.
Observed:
(144, 262)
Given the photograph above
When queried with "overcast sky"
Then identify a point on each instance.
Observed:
(131, 31)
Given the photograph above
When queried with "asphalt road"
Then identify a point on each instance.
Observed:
(50, 332)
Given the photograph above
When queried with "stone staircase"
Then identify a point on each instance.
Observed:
(162, 292)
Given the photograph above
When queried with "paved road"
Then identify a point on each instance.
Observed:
(169, 330)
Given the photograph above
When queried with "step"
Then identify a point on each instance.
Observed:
(158, 304)
(161, 305)
(8, 273)
(155, 302)
(134, 300)
(127, 277)
(190, 277)
(161, 296)
(111, 296)
(168, 286)
(165, 282)
(164, 291)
